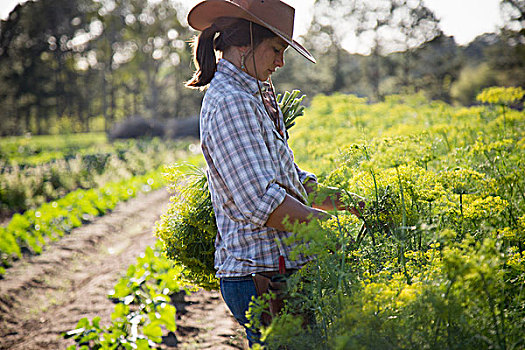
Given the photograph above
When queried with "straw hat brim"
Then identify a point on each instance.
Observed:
(204, 14)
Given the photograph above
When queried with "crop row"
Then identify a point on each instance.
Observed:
(32, 150)
(333, 123)
(144, 314)
(145, 297)
(24, 187)
(30, 231)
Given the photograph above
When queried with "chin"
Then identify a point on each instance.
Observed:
(264, 77)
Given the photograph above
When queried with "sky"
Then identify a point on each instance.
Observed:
(463, 19)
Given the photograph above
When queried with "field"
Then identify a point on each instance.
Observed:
(79, 213)
(435, 260)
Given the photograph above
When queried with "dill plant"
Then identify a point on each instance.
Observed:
(440, 264)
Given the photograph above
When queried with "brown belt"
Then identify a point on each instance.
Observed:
(270, 274)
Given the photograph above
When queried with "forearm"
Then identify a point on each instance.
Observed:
(294, 211)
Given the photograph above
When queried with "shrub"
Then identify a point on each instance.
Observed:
(137, 127)
(180, 128)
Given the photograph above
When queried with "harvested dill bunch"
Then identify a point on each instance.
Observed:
(188, 228)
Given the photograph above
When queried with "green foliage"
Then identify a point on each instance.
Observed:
(471, 81)
(31, 231)
(436, 261)
(30, 178)
(39, 149)
(51, 84)
(188, 228)
(291, 107)
(50, 87)
(87, 179)
(501, 95)
(143, 312)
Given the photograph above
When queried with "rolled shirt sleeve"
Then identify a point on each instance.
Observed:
(246, 166)
(304, 176)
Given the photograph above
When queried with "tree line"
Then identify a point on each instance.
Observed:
(83, 65)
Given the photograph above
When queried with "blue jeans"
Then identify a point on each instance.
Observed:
(237, 292)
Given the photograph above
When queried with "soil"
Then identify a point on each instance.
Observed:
(43, 296)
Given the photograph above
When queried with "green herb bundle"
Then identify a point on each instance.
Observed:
(290, 105)
(188, 229)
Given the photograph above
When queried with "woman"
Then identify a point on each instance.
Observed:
(253, 180)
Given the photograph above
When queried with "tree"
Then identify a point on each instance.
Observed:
(35, 44)
(80, 59)
(139, 49)
(160, 41)
(376, 28)
(514, 16)
(437, 66)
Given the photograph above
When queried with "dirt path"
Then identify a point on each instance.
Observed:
(45, 295)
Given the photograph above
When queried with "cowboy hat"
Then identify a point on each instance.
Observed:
(272, 14)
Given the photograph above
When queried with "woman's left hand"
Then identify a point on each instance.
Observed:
(332, 199)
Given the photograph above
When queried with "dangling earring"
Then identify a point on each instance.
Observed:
(243, 58)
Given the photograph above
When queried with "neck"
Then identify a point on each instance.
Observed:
(234, 56)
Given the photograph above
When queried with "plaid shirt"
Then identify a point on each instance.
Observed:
(250, 171)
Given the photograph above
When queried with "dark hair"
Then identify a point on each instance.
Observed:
(232, 32)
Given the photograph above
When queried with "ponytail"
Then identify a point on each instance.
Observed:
(232, 32)
(204, 58)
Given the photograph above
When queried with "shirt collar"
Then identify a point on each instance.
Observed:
(245, 80)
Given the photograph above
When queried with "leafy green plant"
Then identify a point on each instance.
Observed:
(501, 95)
(290, 105)
(143, 310)
(21, 149)
(31, 231)
(188, 228)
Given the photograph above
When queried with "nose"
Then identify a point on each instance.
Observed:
(279, 60)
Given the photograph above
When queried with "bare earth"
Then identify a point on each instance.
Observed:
(45, 295)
